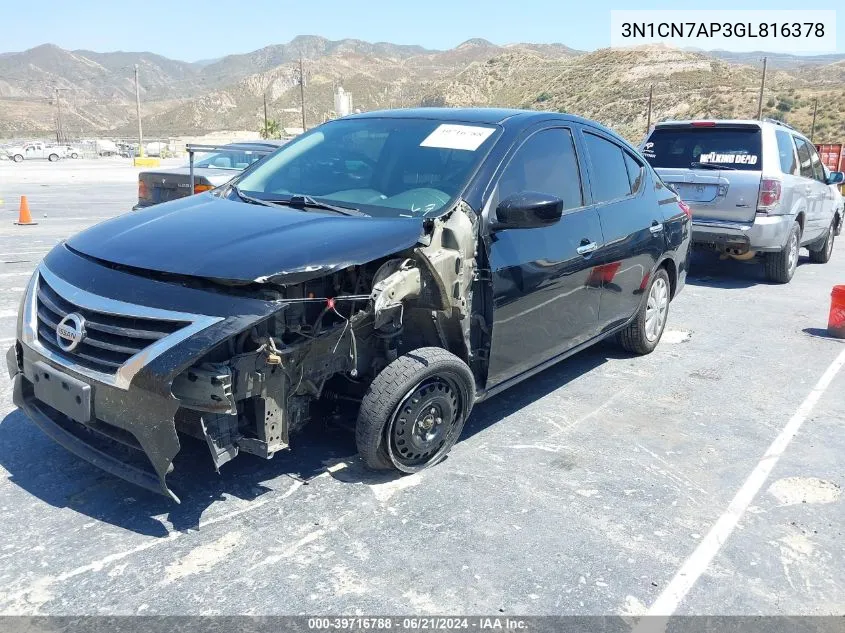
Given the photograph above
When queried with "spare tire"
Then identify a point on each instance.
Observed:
(414, 410)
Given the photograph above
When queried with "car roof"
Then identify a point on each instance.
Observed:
(505, 117)
(717, 121)
(259, 144)
(746, 122)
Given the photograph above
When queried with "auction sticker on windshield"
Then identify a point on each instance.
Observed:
(450, 136)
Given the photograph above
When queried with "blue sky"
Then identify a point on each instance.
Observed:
(191, 30)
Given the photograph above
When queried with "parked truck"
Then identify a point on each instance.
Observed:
(35, 150)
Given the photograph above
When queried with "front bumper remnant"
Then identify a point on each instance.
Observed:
(140, 452)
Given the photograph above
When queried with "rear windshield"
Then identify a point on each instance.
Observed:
(728, 147)
(229, 159)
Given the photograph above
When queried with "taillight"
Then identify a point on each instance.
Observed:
(143, 190)
(685, 208)
(769, 194)
(198, 188)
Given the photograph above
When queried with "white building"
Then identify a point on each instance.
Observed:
(342, 102)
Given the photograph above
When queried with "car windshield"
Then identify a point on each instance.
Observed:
(388, 167)
(239, 160)
(695, 147)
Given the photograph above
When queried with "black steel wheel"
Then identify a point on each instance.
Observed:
(414, 410)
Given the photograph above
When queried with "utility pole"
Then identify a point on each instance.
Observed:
(302, 91)
(138, 112)
(815, 109)
(762, 87)
(59, 125)
(648, 118)
(265, 115)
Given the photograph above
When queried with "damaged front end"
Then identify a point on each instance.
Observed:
(315, 357)
(242, 366)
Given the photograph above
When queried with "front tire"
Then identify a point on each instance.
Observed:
(822, 255)
(414, 410)
(780, 266)
(53, 158)
(643, 334)
(74, 156)
(18, 158)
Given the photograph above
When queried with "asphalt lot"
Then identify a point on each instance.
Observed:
(583, 491)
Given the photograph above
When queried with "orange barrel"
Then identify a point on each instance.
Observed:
(836, 321)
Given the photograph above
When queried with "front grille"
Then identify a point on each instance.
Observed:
(110, 339)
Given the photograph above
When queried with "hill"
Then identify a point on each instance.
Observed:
(610, 85)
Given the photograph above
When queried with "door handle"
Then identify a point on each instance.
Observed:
(587, 248)
(655, 228)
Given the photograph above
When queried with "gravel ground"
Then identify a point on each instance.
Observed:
(582, 491)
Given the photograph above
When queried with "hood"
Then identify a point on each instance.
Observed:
(207, 236)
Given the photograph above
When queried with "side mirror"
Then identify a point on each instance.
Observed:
(528, 210)
(836, 178)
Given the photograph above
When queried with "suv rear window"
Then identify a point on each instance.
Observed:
(731, 147)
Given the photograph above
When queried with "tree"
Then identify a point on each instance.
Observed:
(271, 129)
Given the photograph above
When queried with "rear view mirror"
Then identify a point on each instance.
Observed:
(528, 210)
(835, 178)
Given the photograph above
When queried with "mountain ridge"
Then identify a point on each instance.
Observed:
(611, 85)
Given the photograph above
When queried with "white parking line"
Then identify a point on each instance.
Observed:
(692, 569)
(4, 314)
(22, 273)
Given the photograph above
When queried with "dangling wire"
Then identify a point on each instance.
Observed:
(353, 351)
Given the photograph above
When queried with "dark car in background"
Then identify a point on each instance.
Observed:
(212, 170)
(391, 267)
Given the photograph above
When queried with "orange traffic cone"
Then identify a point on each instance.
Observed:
(24, 217)
(836, 320)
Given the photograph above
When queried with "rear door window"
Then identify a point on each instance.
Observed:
(609, 179)
(786, 150)
(703, 147)
(805, 161)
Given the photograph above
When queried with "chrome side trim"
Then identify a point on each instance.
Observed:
(85, 299)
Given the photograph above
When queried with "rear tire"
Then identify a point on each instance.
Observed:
(414, 410)
(822, 255)
(18, 158)
(780, 266)
(643, 334)
(53, 158)
(74, 156)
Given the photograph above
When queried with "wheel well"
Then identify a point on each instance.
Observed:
(800, 220)
(672, 271)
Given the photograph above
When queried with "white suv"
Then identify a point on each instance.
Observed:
(755, 187)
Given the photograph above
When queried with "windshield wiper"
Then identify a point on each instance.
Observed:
(298, 202)
(302, 202)
(251, 200)
(698, 165)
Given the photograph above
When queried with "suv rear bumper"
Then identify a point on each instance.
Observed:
(766, 233)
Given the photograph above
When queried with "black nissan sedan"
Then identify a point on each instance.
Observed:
(391, 267)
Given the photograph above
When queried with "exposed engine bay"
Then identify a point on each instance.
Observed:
(330, 337)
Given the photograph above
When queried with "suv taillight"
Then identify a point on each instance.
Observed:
(769, 194)
(143, 191)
